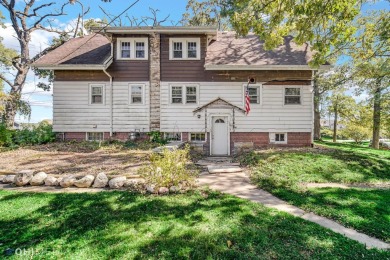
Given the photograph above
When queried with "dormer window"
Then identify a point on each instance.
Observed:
(132, 48)
(184, 48)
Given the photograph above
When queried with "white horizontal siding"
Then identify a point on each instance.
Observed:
(73, 113)
(270, 115)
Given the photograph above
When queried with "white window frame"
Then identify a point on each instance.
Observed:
(259, 93)
(103, 86)
(87, 136)
(301, 95)
(142, 94)
(272, 138)
(181, 136)
(184, 42)
(132, 42)
(184, 93)
(196, 141)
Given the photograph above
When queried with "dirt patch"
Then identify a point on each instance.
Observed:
(65, 158)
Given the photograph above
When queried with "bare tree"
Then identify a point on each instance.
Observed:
(20, 20)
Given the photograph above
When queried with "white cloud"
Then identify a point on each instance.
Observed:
(40, 40)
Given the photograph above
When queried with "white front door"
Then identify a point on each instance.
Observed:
(219, 136)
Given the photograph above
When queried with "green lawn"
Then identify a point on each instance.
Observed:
(199, 225)
(284, 172)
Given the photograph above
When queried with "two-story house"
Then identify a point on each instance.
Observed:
(188, 83)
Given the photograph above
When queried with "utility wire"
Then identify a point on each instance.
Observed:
(104, 27)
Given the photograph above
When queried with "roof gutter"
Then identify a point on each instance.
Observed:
(265, 67)
(69, 66)
(107, 63)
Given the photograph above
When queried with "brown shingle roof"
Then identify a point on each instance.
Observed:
(249, 50)
(92, 49)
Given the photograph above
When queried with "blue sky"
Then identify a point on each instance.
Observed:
(42, 101)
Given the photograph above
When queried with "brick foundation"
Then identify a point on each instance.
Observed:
(239, 142)
(120, 136)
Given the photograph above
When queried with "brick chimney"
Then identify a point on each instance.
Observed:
(154, 79)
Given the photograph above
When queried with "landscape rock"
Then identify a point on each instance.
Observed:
(59, 179)
(163, 190)
(38, 179)
(85, 182)
(174, 189)
(9, 179)
(101, 180)
(23, 177)
(117, 182)
(68, 181)
(150, 188)
(135, 184)
(2, 178)
(51, 181)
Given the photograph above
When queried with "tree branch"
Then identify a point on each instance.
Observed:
(2, 77)
(50, 15)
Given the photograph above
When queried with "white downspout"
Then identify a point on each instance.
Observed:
(111, 89)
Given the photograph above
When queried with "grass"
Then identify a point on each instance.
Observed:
(284, 172)
(199, 225)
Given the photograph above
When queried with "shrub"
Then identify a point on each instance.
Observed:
(5, 136)
(157, 137)
(356, 132)
(41, 134)
(326, 132)
(169, 169)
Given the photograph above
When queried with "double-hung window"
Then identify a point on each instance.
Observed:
(177, 94)
(292, 96)
(140, 50)
(132, 48)
(96, 93)
(254, 94)
(125, 49)
(177, 50)
(136, 94)
(191, 94)
(184, 94)
(184, 48)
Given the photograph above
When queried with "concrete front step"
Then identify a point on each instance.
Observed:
(223, 169)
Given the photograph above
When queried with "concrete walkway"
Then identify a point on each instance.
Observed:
(238, 184)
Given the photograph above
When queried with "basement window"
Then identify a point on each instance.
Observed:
(278, 138)
(172, 136)
(198, 137)
(95, 136)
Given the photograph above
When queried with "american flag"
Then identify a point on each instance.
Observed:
(247, 101)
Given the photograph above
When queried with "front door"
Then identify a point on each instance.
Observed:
(219, 136)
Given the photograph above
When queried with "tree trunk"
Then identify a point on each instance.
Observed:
(376, 117)
(335, 126)
(9, 114)
(317, 114)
